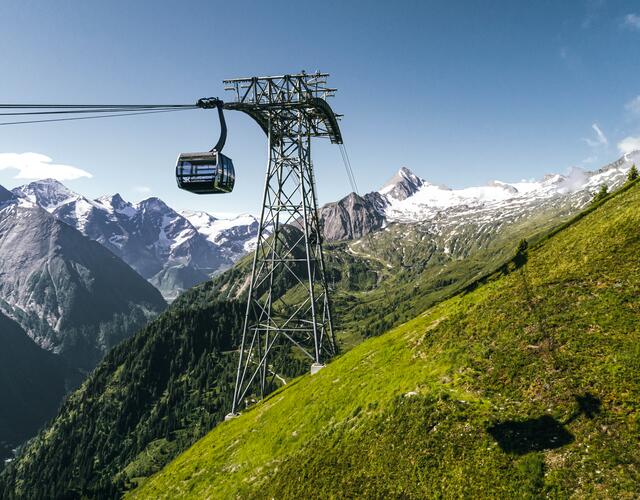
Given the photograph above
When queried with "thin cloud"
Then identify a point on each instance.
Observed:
(632, 21)
(142, 189)
(633, 105)
(570, 58)
(593, 13)
(38, 166)
(629, 144)
(601, 137)
(600, 140)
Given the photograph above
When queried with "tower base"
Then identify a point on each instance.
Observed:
(316, 367)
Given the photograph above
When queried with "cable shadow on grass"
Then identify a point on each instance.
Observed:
(534, 434)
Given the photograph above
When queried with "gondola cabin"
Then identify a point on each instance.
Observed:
(205, 173)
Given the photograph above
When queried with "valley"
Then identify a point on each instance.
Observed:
(291, 250)
(387, 277)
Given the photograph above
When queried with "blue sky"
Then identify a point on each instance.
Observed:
(460, 92)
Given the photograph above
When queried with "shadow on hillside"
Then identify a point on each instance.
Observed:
(588, 405)
(534, 434)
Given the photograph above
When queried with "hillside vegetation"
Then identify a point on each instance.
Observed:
(390, 276)
(525, 386)
(150, 396)
(32, 384)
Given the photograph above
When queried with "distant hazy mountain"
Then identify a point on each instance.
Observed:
(173, 251)
(70, 295)
(32, 384)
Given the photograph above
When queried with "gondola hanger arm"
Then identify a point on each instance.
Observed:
(214, 102)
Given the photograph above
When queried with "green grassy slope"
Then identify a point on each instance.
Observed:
(528, 385)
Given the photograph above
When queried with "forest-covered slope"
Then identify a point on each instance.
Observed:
(32, 384)
(525, 386)
(153, 388)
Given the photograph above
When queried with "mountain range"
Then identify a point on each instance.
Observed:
(65, 301)
(176, 250)
(171, 250)
(409, 199)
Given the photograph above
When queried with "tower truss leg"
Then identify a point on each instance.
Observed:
(288, 309)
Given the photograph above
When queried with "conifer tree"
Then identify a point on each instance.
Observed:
(633, 174)
(520, 257)
(601, 194)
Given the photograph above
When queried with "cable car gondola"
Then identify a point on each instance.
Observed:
(210, 172)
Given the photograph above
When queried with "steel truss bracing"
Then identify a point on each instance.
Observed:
(288, 304)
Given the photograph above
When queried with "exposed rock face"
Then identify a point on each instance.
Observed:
(402, 185)
(5, 196)
(71, 295)
(352, 217)
(355, 216)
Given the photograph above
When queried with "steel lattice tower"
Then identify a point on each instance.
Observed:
(291, 109)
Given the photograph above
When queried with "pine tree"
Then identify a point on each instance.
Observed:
(601, 194)
(520, 257)
(633, 174)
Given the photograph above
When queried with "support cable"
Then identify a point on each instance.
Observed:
(92, 106)
(88, 110)
(108, 114)
(354, 186)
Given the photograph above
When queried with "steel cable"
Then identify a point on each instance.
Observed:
(107, 114)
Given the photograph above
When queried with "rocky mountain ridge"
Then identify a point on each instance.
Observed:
(409, 199)
(6, 196)
(70, 295)
(167, 248)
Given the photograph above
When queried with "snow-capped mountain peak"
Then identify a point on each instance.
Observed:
(46, 193)
(116, 205)
(167, 248)
(238, 232)
(578, 185)
(153, 204)
(402, 185)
